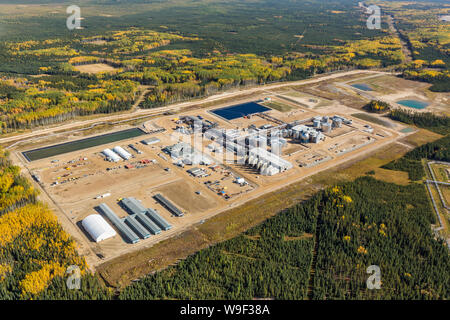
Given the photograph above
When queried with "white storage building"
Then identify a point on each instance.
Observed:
(111, 155)
(97, 227)
(266, 162)
(122, 152)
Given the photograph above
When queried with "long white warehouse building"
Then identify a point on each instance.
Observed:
(266, 162)
(111, 155)
(122, 152)
(98, 228)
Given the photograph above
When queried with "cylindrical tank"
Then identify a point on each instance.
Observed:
(337, 123)
(326, 128)
(314, 138)
(316, 123)
(305, 137)
(276, 148)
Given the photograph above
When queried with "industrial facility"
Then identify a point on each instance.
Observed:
(231, 160)
(141, 222)
(184, 153)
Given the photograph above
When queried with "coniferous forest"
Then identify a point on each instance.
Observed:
(353, 227)
(438, 150)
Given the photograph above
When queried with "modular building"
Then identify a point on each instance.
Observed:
(196, 172)
(160, 221)
(169, 205)
(123, 228)
(133, 205)
(137, 227)
(122, 152)
(111, 155)
(150, 141)
(98, 228)
(148, 223)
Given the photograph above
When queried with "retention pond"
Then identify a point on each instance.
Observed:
(57, 149)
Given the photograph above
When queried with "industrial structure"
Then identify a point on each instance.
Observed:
(184, 153)
(122, 152)
(111, 155)
(168, 205)
(118, 223)
(266, 162)
(150, 141)
(137, 227)
(98, 228)
(160, 221)
(138, 211)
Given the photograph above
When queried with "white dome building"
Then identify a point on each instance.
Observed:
(98, 228)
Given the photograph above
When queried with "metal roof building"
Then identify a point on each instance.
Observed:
(149, 224)
(123, 228)
(150, 141)
(133, 205)
(160, 221)
(168, 205)
(137, 227)
(98, 228)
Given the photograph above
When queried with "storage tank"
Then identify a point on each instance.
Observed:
(326, 128)
(318, 118)
(316, 123)
(111, 156)
(276, 148)
(122, 152)
(337, 122)
(259, 164)
(304, 137)
(315, 137)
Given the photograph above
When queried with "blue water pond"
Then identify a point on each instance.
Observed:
(413, 104)
(241, 110)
